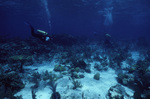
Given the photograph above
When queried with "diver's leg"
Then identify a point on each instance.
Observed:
(35, 34)
(32, 29)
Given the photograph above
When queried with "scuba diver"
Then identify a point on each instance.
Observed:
(107, 41)
(42, 35)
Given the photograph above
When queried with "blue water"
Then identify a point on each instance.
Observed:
(120, 18)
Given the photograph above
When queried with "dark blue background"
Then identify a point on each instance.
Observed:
(131, 18)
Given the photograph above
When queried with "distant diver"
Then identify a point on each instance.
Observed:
(107, 41)
(42, 35)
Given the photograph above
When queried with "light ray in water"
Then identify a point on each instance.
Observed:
(45, 3)
(108, 16)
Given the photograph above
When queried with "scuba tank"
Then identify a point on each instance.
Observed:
(42, 32)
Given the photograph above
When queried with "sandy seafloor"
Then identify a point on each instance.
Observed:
(91, 88)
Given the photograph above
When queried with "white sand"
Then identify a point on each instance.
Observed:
(92, 89)
(135, 56)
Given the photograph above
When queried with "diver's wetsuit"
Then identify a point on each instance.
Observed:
(40, 36)
(107, 41)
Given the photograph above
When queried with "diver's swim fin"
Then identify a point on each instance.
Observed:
(27, 23)
(31, 27)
